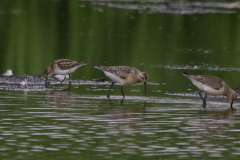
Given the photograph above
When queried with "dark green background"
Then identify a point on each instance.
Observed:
(35, 33)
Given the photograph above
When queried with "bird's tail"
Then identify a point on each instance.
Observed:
(98, 67)
(84, 63)
(185, 74)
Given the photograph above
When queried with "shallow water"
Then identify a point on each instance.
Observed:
(162, 38)
(62, 125)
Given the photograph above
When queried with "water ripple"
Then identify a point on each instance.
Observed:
(149, 128)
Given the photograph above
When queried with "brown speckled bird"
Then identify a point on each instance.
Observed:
(124, 75)
(212, 85)
(63, 67)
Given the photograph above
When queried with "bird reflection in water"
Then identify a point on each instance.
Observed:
(228, 114)
(218, 119)
(121, 102)
(60, 97)
(229, 110)
(123, 111)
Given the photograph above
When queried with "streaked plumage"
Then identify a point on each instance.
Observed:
(63, 67)
(212, 85)
(124, 75)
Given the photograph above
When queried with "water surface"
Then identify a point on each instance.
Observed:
(62, 125)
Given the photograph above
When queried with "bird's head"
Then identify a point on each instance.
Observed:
(48, 72)
(144, 77)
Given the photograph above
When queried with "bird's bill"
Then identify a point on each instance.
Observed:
(145, 88)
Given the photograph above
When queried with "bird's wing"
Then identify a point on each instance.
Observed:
(60, 60)
(120, 71)
(210, 81)
(67, 63)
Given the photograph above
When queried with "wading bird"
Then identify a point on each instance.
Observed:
(212, 85)
(63, 67)
(124, 75)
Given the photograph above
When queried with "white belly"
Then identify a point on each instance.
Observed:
(58, 71)
(114, 77)
(207, 89)
(61, 77)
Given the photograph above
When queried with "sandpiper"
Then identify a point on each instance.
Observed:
(124, 75)
(63, 67)
(212, 85)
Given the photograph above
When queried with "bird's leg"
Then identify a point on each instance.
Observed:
(69, 84)
(200, 95)
(122, 91)
(122, 101)
(204, 102)
(144, 109)
(46, 82)
(69, 79)
(145, 88)
(231, 105)
(63, 79)
(109, 100)
(110, 89)
(204, 99)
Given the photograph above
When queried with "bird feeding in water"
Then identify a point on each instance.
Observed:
(124, 75)
(63, 67)
(212, 85)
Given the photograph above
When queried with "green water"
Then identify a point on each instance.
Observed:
(83, 123)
